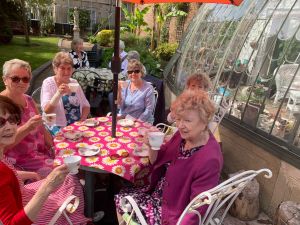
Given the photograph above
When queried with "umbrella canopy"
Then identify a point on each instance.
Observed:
(233, 2)
(116, 60)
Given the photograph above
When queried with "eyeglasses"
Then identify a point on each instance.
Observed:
(133, 71)
(18, 79)
(12, 119)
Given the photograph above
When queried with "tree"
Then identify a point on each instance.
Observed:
(25, 21)
(161, 14)
(135, 21)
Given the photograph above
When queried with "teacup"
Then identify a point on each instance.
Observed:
(156, 139)
(142, 131)
(50, 119)
(73, 163)
(73, 87)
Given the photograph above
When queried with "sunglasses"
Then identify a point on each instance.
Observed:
(133, 71)
(11, 119)
(18, 79)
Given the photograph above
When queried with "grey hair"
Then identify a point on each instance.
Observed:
(74, 42)
(8, 65)
(133, 55)
(122, 45)
(135, 62)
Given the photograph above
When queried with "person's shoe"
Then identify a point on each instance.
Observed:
(98, 216)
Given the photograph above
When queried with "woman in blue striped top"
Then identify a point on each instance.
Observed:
(136, 96)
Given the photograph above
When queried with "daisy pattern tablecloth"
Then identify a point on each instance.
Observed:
(132, 168)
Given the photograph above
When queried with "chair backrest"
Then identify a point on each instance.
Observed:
(222, 107)
(36, 95)
(167, 129)
(220, 196)
(216, 198)
(155, 100)
(284, 75)
(131, 209)
(67, 206)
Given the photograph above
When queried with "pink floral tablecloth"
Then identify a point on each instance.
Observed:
(132, 168)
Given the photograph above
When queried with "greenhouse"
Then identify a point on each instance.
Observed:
(252, 55)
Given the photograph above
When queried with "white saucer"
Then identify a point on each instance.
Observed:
(155, 148)
(126, 122)
(72, 135)
(89, 150)
(140, 153)
(91, 123)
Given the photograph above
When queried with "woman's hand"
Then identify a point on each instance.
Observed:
(25, 175)
(55, 178)
(34, 122)
(64, 89)
(52, 181)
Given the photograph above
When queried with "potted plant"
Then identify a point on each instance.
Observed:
(255, 104)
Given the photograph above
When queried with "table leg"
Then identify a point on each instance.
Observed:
(89, 190)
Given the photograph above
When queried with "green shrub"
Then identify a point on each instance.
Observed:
(165, 51)
(106, 57)
(132, 41)
(92, 39)
(105, 37)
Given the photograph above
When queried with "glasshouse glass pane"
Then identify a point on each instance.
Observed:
(252, 55)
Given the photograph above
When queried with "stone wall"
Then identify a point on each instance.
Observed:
(241, 154)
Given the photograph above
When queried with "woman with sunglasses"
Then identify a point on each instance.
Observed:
(136, 96)
(56, 96)
(32, 150)
(38, 201)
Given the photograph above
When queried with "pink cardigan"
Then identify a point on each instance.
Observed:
(49, 88)
(185, 178)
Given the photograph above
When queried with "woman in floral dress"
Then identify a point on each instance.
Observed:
(32, 150)
(56, 96)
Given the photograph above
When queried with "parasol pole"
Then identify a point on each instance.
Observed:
(116, 66)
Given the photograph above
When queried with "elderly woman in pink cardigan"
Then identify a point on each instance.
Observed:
(57, 97)
(187, 165)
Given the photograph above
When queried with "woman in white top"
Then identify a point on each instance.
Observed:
(56, 96)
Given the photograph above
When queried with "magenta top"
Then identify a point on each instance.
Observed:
(185, 178)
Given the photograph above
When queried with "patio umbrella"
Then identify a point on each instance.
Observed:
(116, 60)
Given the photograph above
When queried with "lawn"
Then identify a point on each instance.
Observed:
(40, 50)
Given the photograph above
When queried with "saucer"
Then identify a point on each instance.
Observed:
(126, 122)
(72, 135)
(89, 150)
(140, 153)
(91, 122)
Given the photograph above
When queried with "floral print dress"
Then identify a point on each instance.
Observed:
(31, 154)
(150, 203)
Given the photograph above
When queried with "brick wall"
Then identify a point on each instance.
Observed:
(241, 154)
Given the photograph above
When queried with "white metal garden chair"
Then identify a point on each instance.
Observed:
(66, 208)
(216, 198)
(222, 107)
(36, 95)
(167, 129)
(220, 196)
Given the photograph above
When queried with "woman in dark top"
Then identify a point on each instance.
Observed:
(79, 57)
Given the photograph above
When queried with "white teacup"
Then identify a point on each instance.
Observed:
(156, 139)
(73, 87)
(50, 119)
(73, 163)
